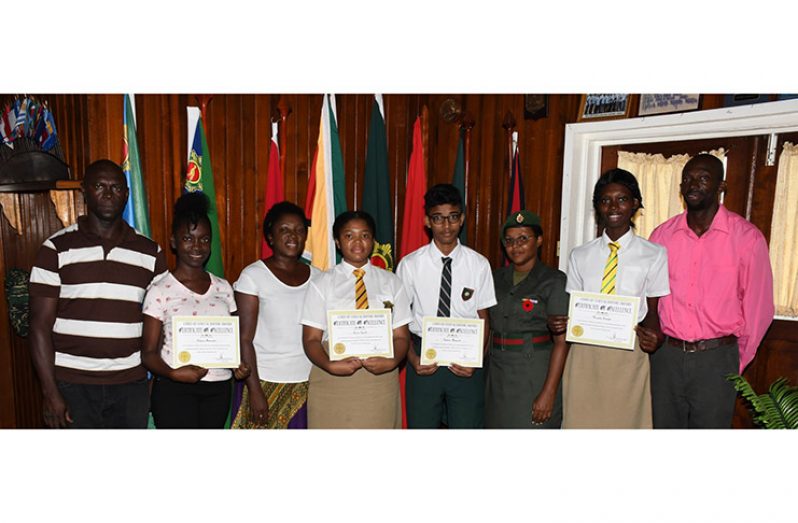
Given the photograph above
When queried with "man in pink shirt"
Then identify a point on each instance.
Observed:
(720, 306)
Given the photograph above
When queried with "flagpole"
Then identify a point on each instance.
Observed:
(203, 100)
(467, 124)
(285, 110)
(509, 124)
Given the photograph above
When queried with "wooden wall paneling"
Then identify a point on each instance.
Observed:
(104, 130)
(257, 174)
(39, 221)
(7, 374)
(253, 175)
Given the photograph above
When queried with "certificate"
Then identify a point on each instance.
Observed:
(364, 333)
(206, 341)
(452, 340)
(602, 319)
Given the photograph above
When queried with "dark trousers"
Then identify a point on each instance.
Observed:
(123, 406)
(201, 405)
(427, 396)
(690, 389)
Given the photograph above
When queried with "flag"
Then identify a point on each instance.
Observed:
(49, 123)
(413, 233)
(199, 177)
(274, 191)
(6, 127)
(136, 213)
(328, 186)
(21, 110)
(515, 199)
(377, 188)
(458, 178)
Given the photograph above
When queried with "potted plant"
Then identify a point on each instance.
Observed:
(776, 409)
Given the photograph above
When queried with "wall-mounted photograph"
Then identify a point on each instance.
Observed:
(603, 106)
(651, 104)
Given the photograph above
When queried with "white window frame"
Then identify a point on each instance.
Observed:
(584, 141)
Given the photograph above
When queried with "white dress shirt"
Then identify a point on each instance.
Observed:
(642, 268)
(335, 290)
(472, 282)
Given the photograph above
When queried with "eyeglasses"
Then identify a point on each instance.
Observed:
(520, 240)
(453, 218)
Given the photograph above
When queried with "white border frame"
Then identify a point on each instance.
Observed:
(583, 143)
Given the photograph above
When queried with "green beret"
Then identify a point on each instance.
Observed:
(522, 218)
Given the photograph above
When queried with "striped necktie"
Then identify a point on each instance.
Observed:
(445, 296)
(610, 269)
(361, 298)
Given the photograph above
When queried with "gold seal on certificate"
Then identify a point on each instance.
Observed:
(206, 341)
(455, 340)
(607, 320)
(363, 333)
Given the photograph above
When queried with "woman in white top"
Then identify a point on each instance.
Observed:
(354, 392)
(269, 294)
(187, 396)
(604, 387)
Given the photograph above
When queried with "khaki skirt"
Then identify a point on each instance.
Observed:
(606, 388)
(359, 401)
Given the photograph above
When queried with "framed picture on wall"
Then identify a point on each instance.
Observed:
(603, 107)
(667, 103)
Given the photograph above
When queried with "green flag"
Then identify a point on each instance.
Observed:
(199, 177)
(458, 179)
(136, 213)
(377, 189)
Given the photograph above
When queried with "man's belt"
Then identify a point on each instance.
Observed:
(508, 342)
(700, 345)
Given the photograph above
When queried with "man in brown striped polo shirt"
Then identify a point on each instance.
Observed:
(86, 289)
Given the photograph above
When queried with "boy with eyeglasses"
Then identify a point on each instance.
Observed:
(445, 278)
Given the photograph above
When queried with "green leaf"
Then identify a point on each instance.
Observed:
(776, 409)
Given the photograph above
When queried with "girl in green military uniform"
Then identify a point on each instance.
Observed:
(526, 362)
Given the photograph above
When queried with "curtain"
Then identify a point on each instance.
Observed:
(784, 234)
(659, 180)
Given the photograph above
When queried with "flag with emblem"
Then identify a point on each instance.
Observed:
(136, 213)
(458, 178)
(326, 190)
(199, 177)
(275, 191)
(377, 188)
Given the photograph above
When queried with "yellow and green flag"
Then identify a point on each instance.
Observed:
(326, 196)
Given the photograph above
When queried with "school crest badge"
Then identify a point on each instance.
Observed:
(467, 293)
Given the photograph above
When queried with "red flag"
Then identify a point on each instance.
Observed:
(516, 187)
(413, 233)
(275, 191)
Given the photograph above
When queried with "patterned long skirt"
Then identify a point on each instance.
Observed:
(287, 407)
